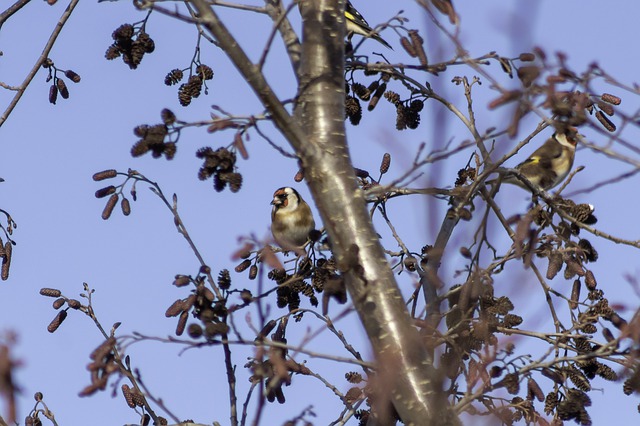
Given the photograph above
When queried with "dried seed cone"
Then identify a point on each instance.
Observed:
(58, 303)
(105, 174)
(50, 292)
(173, 77)
(353, 110)
(361, 91)
(53, 325)
(108, 208)
(137, 398)
(224, 279)
(168, 117)
(204, 71)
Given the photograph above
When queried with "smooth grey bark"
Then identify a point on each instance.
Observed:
(317, 134)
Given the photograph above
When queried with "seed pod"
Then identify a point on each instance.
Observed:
(242, 266)
(618, 321)
(386, 162)
(239, 144)
(73, 76)
(575, 295)
(606, 108)
(408, 47)
(376, 96)
(253, 272)
(609, 98)
(128, 396)
(108, 208)
(606, 123)
(6, 261)
(608, 335)
(534, 390)
(55, 323)
(527, 57)
(590, 280)
(181, 280)
(175, 309)
(105, 174)
(50, 292)
(465, 252)
(74, 304)
(418, 46)
(62, 87)
(555, 264)
(53, 94)
(58, 303)
(182, 323)
(125, 206)
(107, 190)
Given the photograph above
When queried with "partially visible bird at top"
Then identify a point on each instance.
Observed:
(358, 25)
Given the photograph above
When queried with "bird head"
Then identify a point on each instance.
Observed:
(568, 137)
(285, 198)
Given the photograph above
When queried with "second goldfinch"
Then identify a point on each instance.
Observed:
(291, 219)
(358, 25)
(549, 164)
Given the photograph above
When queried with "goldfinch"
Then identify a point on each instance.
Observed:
(549, 164)
(291, 219)
(358, 25)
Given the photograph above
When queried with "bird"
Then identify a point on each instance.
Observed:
(291, 220)
(358, 25)
(549, 164)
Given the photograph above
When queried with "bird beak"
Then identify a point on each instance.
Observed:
(276, 201)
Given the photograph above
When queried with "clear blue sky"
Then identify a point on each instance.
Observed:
(48, 154)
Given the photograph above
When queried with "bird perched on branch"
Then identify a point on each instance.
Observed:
(549, 164)
(358, 25)
(291, 219)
